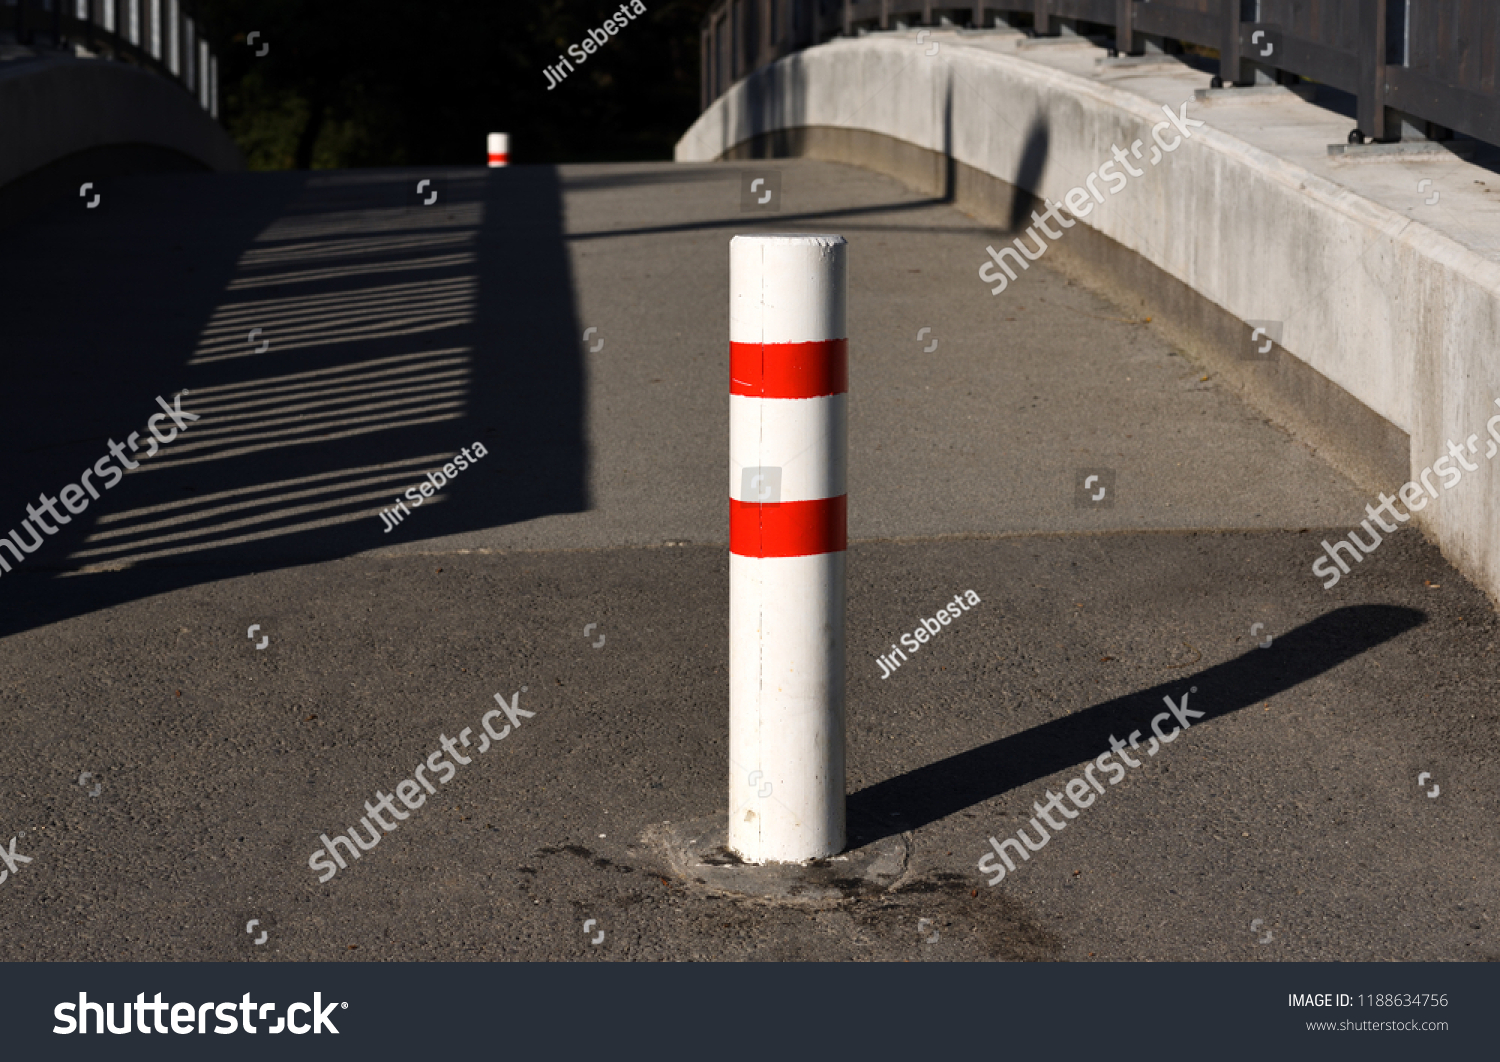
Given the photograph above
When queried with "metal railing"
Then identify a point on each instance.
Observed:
(1422, 68)
(159, 35)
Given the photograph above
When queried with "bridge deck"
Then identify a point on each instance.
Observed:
(396, 334)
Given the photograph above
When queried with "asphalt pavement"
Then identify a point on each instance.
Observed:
(169, 771)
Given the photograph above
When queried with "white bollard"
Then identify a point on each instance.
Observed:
(788, 532)
(499, 149)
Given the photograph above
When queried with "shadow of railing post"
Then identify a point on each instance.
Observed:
(382, 340)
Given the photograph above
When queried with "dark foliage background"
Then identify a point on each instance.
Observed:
(397, 82)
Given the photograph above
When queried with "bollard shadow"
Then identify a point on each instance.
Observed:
(391, 333)
(927, 794)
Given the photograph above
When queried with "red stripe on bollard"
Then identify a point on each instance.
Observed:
(789, 529)
(789, 370)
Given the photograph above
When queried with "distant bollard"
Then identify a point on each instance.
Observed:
(499, 149)
(788, 535)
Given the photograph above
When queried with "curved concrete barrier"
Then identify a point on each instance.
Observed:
(1388, 316)
(62, 118)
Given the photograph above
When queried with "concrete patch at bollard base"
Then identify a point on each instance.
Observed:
(696, 851)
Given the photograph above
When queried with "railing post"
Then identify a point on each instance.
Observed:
(753, 11)
(723, 59)
(1125, 27)
(848, 19)
(1371, 113)
(1229, 50)
(1043, 19)
(765, 51)
(885, 14)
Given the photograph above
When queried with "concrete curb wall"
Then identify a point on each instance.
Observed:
(1387, 323)
(1365, 446)
(54, 109)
